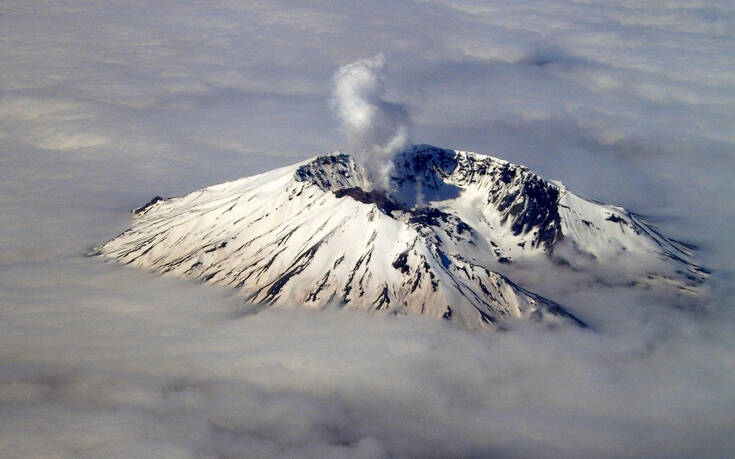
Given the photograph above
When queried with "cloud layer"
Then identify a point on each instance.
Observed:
(137, 365)
(103, 106)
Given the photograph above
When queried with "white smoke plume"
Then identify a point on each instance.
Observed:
(375, 128)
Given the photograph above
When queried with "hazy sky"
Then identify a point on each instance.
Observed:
(105, 104)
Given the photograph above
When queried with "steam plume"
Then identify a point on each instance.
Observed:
(375, 128)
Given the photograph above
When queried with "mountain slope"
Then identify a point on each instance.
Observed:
(523, 216)
(318, 233)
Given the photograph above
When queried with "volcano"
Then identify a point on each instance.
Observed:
(433, 241)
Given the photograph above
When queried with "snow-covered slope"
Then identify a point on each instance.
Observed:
(522, 215)
(318, 233)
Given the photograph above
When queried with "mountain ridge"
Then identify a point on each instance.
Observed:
(321, 232)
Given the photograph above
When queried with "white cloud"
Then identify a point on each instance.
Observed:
(105, 106)
(375, 128)
(132, 362)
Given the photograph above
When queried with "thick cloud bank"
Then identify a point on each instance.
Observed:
(103, 106)
(375, 128)
(124, 364)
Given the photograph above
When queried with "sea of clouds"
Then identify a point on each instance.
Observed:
(104, 105)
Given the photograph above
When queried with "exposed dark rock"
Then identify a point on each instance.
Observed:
(147, 206)
(379, 198)
(383, 300)
(401, 263)
(221, 245)
(428, 216)
(301, 263)
(615, 219)
(329, 172)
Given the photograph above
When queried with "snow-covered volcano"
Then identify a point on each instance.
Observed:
(319, 233)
